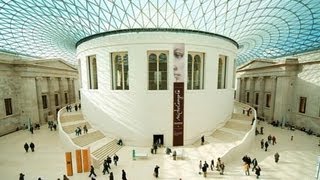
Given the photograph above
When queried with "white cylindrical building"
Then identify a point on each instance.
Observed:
(128, 76)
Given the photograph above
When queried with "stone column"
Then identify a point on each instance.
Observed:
(238, 91)
(251, 97)
(39, 100)
(61, 92)
(52, 105)
(273, 96)
(261, 96)
(70, 91)
(243, 90)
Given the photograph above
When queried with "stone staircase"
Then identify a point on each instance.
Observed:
(100, 145)
(108, 149)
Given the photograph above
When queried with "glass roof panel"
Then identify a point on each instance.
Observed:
(263, 29)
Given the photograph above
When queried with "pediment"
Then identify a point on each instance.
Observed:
(56, 63)
(256, 64)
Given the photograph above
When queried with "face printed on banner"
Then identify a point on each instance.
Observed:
(178, 67)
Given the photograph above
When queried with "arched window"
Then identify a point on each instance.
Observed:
(195, 70)
(120, 71)
(157, 63)
(222, 72)
(92, 72)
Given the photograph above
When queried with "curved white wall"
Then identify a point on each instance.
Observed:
(135, 115)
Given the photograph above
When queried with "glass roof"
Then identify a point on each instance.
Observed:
(263, 28)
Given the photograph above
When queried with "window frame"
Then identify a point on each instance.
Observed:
(8, 106)
(92, 72)
(222, 72)
(256, 101)
(157, 80)
(56, 99)
(268, 100)
(44, 101)
(302, 104)
(191, 85)
(124, 79)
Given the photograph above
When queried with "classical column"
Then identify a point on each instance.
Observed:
(261, 96)
(39, 100)
(51, 97)
(61, 92)
(238, 91)
(273, 95)
(70, 90)
(243, 90)
(251, 95)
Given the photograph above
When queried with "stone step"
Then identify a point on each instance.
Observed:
(69, 117)
(108, 149)
(71, 128)
(225, 136)
(237, 126)
(89, 138)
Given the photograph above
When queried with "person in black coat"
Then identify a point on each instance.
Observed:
(21, 176)
(32, 146)
(111, 176)
(124, 175)
(156, 171)
(266, 144)
(26, 147)
(92, 172)
(258, 169)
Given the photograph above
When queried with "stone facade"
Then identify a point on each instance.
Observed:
(24, 81)
(277, 90)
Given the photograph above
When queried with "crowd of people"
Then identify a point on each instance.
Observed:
(76, 107)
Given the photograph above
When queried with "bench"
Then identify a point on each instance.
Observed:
(139, 155)
(179, 154)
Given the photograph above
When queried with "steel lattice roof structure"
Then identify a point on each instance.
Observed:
(262, 28)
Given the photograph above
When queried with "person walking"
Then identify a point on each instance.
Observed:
(246, 169)
(202, 140)
(105, 167)
(21, 176)
(200, 167)
(32, 146)
(212, 165)
(204, 170)
(156, 171)
(222, 166)
(262, 143)
(92, 171)
(258, 170)
(124, 175)
(254, 163)
(65, 177)
(274, 140)
(26, 147)
(276, 157)
(266, 145)
(115, 159)
(111, 176)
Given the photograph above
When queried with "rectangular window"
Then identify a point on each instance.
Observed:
(8, 106)
(44, 102)
(222, 72)
(92, 72)
(66, 97)
(120, 70)
(268, 100)
(56, 99)
(302, 104)
(248, 97)
(157, 70)
(257, 99)
(195, 70)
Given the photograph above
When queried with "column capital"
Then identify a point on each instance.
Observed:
(50, 78)
(39, 78)
(261, 78)
(273, 77)
(61, 78)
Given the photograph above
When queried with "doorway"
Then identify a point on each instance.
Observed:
(158, 138)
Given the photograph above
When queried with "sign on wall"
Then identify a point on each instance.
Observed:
(178, 94)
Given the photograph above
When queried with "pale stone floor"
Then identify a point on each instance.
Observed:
(297, 159)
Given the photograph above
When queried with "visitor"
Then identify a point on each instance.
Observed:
(65, 177)
(262, 143)
(26, 147)
(115, 159)
(202, 140)
(222, 166)
(258, 170)
(111, 176)
(21, 176)
(32, 146)
(212, 165)
(266, 145)
(200, 167)
(156, 171)
(276, 157)
(124, 175)
(92, 171)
